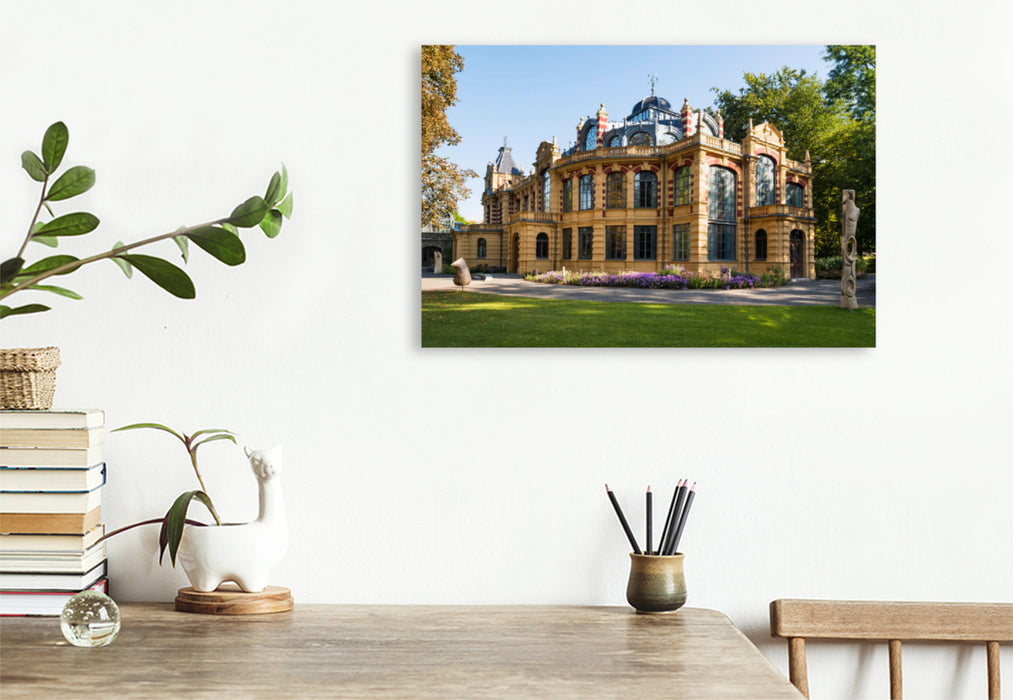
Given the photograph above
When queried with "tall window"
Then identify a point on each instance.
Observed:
(645, 190)
(525, 202)
(568, 194)
(481, 247)
(591, 140)
(796, 194)
(761, 244)
(680, 235)
(615, 191)
(721, 194)
(542, 246)
(682, 186)
(587, 192)
(615, 242)
(567, 244)
(545, 191)
(721, 209)
(585, 242)
(644, 238)
(764, 181)
(641, 138)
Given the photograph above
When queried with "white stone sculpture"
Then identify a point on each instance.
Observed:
(437, 262)
(245, 553)
(462, 275)
(849, 250)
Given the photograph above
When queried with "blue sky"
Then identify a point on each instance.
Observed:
(529, 94)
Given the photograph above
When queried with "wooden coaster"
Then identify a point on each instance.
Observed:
(230, 599)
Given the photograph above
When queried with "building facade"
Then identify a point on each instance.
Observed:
(657, 188)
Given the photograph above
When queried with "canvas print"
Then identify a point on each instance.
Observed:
(607, 196)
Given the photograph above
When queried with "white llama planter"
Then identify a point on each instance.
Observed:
(245, 553)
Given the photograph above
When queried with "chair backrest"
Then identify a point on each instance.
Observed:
(891, 622)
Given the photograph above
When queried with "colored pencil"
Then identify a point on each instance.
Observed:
(683, 517)
(669, 547)
(622, 520)
(650, 517)
(668, 520)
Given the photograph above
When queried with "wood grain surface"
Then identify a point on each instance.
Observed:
(394, 651)
(229, 599)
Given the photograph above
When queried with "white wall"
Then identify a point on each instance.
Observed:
(879, 474)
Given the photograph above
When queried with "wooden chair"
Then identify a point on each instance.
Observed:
(799, 620)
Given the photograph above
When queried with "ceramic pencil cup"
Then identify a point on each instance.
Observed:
(656, 584)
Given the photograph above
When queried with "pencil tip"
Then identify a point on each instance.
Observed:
(607, 487)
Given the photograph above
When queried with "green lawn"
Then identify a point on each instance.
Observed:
(469, 319)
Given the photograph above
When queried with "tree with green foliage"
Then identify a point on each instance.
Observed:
(834, 121)
(443, 181)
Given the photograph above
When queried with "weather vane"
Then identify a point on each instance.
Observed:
(653, 77)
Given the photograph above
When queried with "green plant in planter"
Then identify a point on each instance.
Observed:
(219, 237)
(175, 518)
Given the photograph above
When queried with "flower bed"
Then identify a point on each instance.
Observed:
(670, 277)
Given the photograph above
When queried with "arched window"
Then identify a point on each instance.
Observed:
(645, 190)
(764, 181)
(796, 194)
(615, 141)
(682, 186)
(721, 210)
(591, 139)
(587, 192)
(761, 244)
(568, 194)
(481, 247)
(542, 246)
(667, 138)
(615, 191)
(641, 138)
(546, 200)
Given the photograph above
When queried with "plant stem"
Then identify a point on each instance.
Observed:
(144, 522)
(108, 254)
(31, 226)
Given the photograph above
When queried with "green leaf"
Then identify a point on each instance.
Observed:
(69, 225)
(175, 519)
(56, 290)
(274, 191)
(249, 213)
(47, 264)
(286, 206)
(72, 183)
(164, 274)
(127, 268)
(54, 145)
(284, 179)
(220, 244)
(9, 269)
(6, 311)
(212, 438)
(51, 241)
(230, 228)
(184, 247)
(271, 225)
(33, 166)
(153, 426)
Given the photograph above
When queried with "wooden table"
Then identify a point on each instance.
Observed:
(394, 651)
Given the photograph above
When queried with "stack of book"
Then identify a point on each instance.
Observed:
(51, 478)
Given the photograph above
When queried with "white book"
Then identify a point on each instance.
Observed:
(52, 562)
(49, 438)
(82, 419)
(42, 603)
(51, 479)
(26, 457)
(50, 502)
(52, 582)
(43, 543)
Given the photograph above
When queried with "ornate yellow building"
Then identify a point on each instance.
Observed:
(657, 188)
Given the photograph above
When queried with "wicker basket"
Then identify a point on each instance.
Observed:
(28, 377)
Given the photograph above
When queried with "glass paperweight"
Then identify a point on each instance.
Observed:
(90, 619)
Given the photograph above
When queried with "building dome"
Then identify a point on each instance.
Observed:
(652, 101)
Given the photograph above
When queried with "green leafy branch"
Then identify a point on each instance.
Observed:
(175, 518)
(219, 237)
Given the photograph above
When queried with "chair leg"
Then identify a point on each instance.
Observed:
(994, 690)
(896, 673)
(797, 673)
